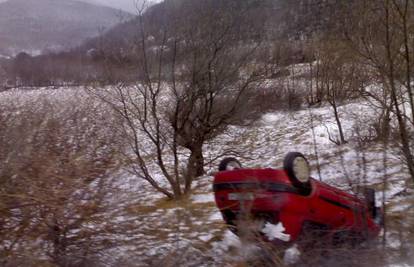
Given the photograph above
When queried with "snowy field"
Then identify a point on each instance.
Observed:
(193, 228)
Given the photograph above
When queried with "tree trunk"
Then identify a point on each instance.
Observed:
(195, 165)
(338, 122)
(405, 141)
(408, 59)
(176, 191)
(404, 136)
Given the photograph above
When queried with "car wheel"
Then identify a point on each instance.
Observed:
(229, 164)
(298, 171)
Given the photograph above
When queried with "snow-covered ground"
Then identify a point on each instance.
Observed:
(265, 143)
(191, 232)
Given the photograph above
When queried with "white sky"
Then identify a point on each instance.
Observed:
(127, 5)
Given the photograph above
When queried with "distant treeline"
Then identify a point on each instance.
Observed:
(283, 25)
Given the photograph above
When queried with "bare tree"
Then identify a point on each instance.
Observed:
(336, 79)
(379, 36)
(196, 73)
(57, 165)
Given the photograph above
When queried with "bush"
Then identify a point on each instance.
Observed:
(57, 162)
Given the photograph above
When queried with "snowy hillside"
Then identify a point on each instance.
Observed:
(113, 128)
(264, 145)
(191, 232)
(36, 26)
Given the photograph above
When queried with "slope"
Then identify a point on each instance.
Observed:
(37, 25)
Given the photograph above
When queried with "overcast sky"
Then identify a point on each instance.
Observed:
(127, 5)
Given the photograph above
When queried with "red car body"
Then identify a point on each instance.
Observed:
(270, 194)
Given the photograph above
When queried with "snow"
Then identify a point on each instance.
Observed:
(231, 240)
(275, 231)
(271, 118)
(198, 223)
(206, 238)
(292, 255)
(203, 198)
(216, 216)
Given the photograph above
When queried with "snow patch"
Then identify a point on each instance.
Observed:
(270, 118)
(206, 238)
(231, 240)
(216, 216)
(292, 255)
(204, 198)
(275, 231)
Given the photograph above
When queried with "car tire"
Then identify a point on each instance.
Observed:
(229, 164)
(288, 164)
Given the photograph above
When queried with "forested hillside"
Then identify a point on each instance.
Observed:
(36, 26)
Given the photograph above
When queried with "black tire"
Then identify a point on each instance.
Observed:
(304, 187)
(227, 162)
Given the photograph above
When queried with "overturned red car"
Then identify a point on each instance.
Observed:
(291, 198)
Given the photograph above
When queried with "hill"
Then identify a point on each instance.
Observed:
(172, 16)
(148, 229)
(34, 26)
